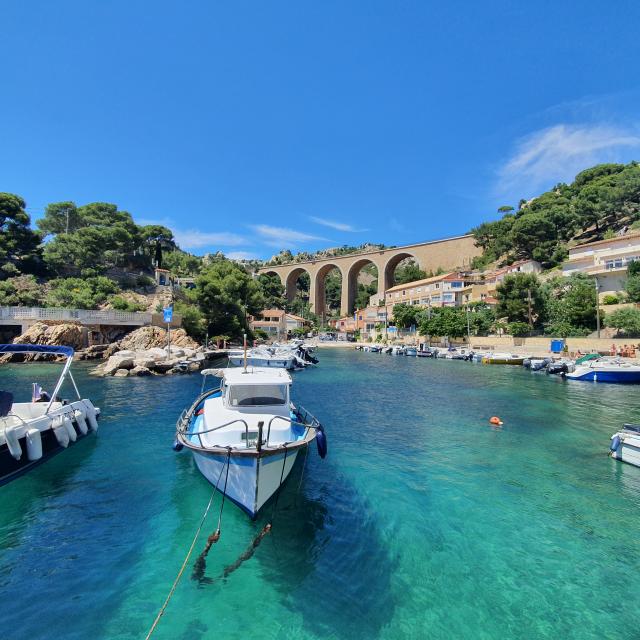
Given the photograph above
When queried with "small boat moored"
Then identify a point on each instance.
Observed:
(606, 370)
(625, 444)
(249, 429)
(503, 358)
(32, 432)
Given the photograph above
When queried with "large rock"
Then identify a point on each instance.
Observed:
(146, 338)
(140, 371)
(116, 362)
(121, 373)
(156, 353)
(144, 361)
(65, 334)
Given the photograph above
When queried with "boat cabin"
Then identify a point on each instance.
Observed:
(255, 388)
(249, 402)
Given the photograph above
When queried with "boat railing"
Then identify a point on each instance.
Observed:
(314, 423)
(185, 416)
(183, 433)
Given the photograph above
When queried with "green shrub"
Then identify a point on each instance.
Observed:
(627, 320)
(80, 293)
(518, 329)
(145, 281)
(122, 304)
(610, 299)
(20, 291)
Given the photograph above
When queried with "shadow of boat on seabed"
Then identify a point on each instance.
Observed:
(326, 556)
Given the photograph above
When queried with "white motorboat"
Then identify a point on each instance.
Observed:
(32, 432)
(246, 435)
(606, 370)
(625, 445)
(262, 357)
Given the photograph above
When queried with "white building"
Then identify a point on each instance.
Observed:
(605, 259)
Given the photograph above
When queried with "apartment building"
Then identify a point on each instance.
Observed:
(606, 260)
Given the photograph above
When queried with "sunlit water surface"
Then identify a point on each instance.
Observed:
(423, 521)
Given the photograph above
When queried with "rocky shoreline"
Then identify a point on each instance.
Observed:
(142, 352)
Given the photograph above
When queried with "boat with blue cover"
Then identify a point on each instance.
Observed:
(246, 434)
(32, 432)
(606, 370)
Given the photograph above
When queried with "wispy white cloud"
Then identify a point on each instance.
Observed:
(283, 238)
(192, 239)
(241, 255)
(558, 153)
(332, 224)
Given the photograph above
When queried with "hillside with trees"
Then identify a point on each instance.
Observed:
(598, 203)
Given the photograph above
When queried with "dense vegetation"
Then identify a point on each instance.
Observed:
(600, 201)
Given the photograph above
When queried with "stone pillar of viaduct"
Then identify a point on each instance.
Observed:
(449, 254)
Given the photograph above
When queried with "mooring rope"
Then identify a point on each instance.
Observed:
(200, 565)
(184, 564)
(275, 504)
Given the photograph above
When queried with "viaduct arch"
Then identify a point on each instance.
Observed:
(448, 254)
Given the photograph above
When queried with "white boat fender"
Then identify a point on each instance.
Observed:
(615, 443)
(13, 443)
(34, 444)
(80, 421)
(91, 415)
(68, 425)
(60, 431)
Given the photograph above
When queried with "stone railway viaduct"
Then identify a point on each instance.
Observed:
(447, 254)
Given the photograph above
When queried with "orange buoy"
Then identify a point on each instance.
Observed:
(495, 420)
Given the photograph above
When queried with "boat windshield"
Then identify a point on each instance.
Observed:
(247, 395)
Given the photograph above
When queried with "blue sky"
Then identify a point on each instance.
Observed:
(253, 126)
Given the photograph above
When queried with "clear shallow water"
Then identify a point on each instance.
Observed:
(423, 522)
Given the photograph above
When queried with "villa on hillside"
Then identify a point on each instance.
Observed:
(363, 320)
(276, 323)
(606, 260)
(484, 287)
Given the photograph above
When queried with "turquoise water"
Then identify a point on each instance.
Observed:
(423, 521)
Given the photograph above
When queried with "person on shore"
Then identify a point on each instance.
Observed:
(613, 351)
(624, 352)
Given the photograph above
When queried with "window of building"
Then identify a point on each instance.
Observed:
(456, 285)
(404, 293)
(437, 285)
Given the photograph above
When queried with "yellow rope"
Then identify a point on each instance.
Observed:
(182, 568)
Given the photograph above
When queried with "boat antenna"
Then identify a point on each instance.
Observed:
(245, 352)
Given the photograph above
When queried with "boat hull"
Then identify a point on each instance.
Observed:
(11, 469)
(618, 377)
(252, 480)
